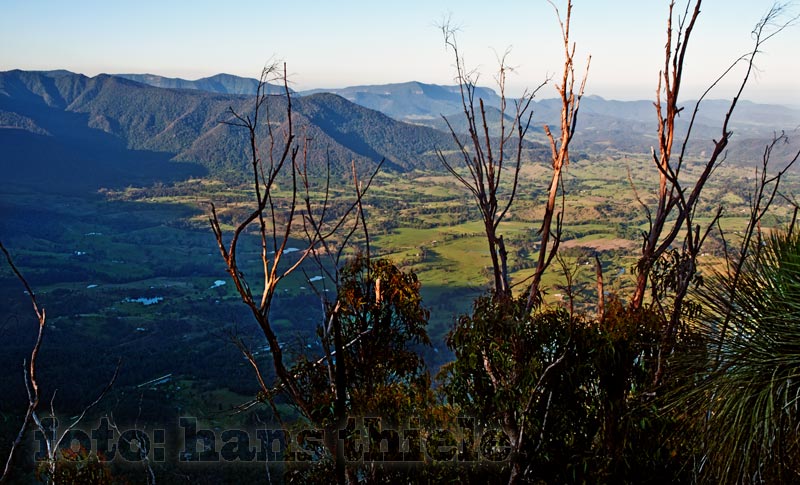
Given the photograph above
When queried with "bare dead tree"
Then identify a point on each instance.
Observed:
(28, 369)
(559, 148)
(32, 388)
(273, 232)
(327, 234)
(485, 165)
(484, 162)
(136, 443)
(273, 237)
(674, 216)
(54, 440)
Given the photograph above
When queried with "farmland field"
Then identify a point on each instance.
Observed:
(134, 272)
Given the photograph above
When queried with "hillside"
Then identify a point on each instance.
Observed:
(92, 130)
(411, 101)
(605, 126)
(75, 131)
(424, 104)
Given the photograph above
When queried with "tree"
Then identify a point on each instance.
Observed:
(275, 222)
(383, 325)
(570, 103)
(368, 325)
(505, 357)
(673, 221)
(527, 373)
(485, 165)
(29, 371)
(382, 319)
(495, 348)
(56, 465)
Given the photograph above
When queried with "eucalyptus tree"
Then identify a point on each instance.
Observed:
(509, 352)
(372, 318)
(498, 372)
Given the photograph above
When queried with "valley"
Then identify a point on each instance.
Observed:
(106, 200)
(134, 273)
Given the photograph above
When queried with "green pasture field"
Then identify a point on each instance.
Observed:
(86, 255)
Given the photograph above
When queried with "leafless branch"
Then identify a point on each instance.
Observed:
(677, 203)
(559, 152)
(29, 369)
(484, 156)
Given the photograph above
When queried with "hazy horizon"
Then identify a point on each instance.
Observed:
(354, 42)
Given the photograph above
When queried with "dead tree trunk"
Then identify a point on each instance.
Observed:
(559, 158)
(673, 220)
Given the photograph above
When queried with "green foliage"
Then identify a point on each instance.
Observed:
(639, 442)
(383, 327)
(76, 467)
(383, 322)
(744, 395)
(580, 390)
(381, 305)
(530, 374)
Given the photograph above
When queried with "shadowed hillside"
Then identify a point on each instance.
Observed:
(58, 120)
(410, 101)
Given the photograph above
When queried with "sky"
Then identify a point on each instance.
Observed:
(337, 43)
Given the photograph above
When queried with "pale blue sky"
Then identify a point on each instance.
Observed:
(347, 42)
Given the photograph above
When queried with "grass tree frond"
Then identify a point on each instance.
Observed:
(744, 397)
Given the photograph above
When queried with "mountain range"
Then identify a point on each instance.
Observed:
(421, 103)
(71, 127)
(76, 130)
(219, 83)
